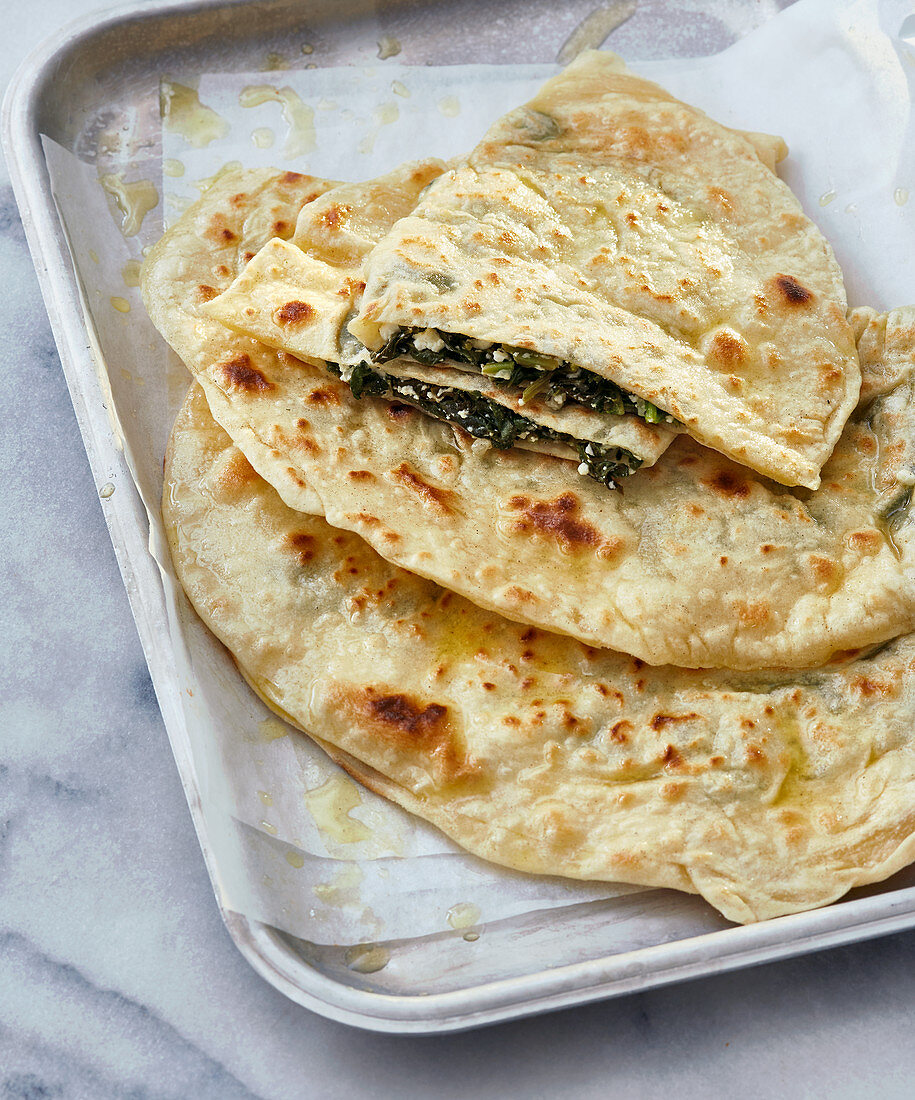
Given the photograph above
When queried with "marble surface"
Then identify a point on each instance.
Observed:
(117, 977)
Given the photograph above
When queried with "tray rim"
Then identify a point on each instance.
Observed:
(128, 524)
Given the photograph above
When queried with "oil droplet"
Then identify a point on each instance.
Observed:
(268, 828)
(347, 113)
(121, 305)
(265, 797)
(93, 255)
(330, 806)
(299, 117)
(901, 196)
(388, 46)
(311, 65)
(327, 104)
(399, 88)
(275, 62)
(308, 48)
(827, 197)
(272, 729)
(366, 958)
(263, 137)
(463, 915)
(851, 208)
(295, 859)
(183, 113)
(133, 200)
(471, 937)
(106, 491)
(126, 375)
(173, 168)
(130, 273)
(450, 106)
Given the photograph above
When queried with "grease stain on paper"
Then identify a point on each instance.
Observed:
(172, 168)
(272, 729)
(450, 106)
(331, 804)
(208, 181)
(343, 889)
(184, 114)
(383, 115)
(263, 137)
(299, 117)
(130, 273)
(120, 304)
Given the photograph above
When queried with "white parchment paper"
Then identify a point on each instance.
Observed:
(291, 840)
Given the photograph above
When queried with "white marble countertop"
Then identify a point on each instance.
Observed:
(117, 977)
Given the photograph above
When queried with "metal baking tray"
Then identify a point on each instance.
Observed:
(110, 66)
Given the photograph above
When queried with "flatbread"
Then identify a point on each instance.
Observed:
(767, 793)
(696, 561)
(197, 260)
(298, 296)
(615, 229)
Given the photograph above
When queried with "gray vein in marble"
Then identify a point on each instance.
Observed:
(162, 1048)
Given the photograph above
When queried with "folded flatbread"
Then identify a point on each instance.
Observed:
(766, 793)
(696, 561)
(299, 295)
(610, 242)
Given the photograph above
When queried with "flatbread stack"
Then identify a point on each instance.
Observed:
(558, 495)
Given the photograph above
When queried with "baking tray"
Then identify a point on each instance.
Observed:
(109, 67)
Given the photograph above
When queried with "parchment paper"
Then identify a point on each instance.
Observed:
(293, 841)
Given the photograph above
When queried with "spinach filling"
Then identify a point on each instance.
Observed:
(485, 419)
(553, 380)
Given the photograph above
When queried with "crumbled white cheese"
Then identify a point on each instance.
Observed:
(480, 446)
(387, 331)
(499, 356)
(481, 345)
(582, 468)
(428, 340)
